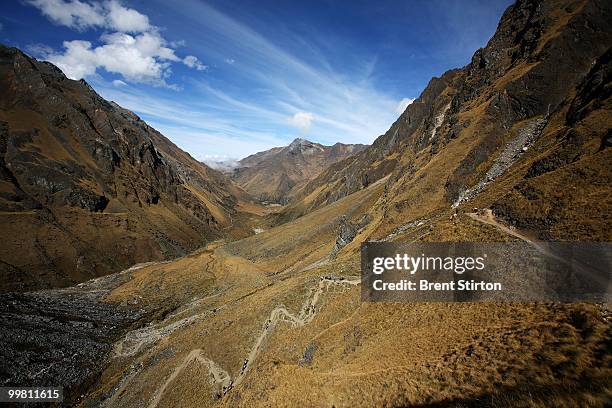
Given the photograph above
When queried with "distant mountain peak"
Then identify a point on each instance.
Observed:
(272, 174)
(299, 141)
(300, 145)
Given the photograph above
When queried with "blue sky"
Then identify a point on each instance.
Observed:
(225, 79)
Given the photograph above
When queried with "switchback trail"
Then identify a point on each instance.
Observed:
(220, 378)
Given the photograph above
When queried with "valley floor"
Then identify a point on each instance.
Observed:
(274, 320)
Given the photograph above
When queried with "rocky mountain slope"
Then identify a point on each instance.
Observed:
(503, 131)
(275, 174)
(88, 188)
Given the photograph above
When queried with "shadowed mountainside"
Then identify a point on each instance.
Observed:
(88, 188)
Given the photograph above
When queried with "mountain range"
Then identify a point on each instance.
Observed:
(515, 146)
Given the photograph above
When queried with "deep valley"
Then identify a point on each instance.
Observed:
(134, 275)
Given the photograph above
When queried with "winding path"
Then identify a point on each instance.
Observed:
(487, 217)
(219, 377)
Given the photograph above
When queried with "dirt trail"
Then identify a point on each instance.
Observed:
(279, 314)
(219, 377)
(487, 217)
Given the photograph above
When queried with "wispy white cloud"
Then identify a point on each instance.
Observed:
(196, 126)
(73, 13)
(81, 15)
(125, 19)
(39, 49)
(200, 142)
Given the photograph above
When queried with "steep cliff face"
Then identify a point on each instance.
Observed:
(87, 187)
(529, 112)
(276, 174)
